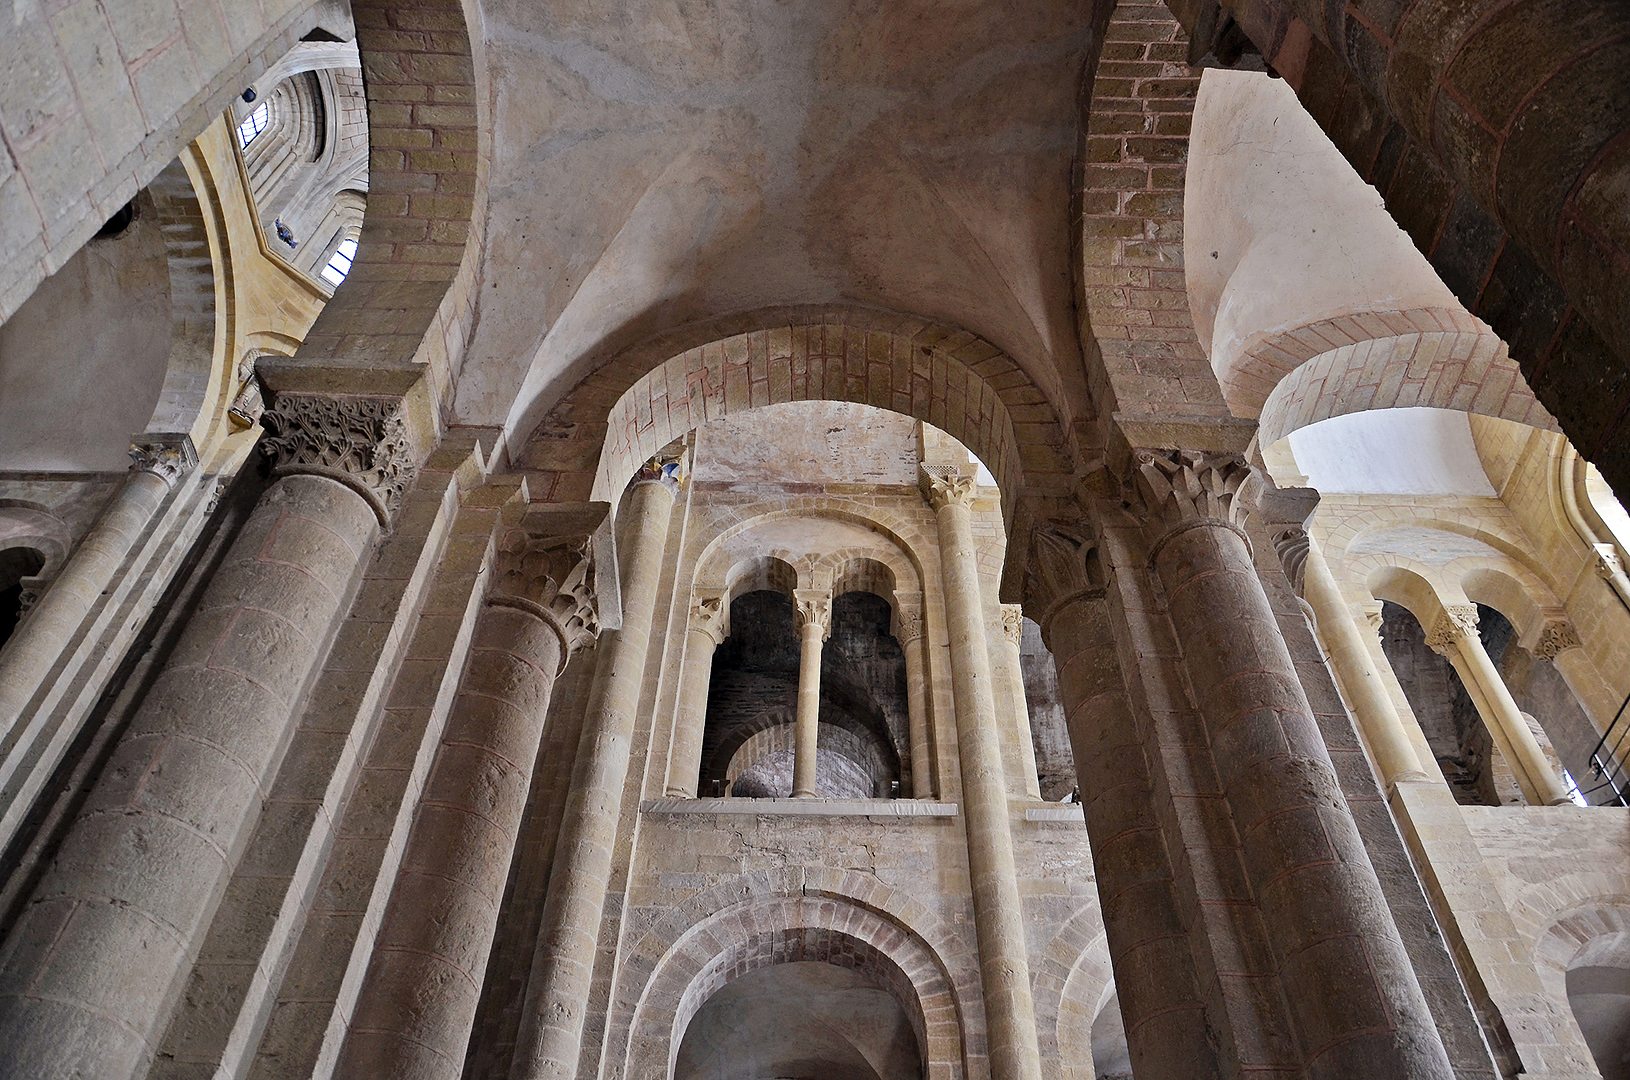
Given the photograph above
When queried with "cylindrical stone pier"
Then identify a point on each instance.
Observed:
(1355, 669)
(1161, 1004)
(1004, 964)
(908, 631)
(558, 992)
(418, 1003)
(814, 623)
(704, 635)
(33, 649)
(1350, 989)
(95, 964)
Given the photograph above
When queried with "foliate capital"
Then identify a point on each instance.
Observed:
(1291, 544)
(947, 485)
(167, 456)
(710, 613)
(1607, 561)
(908, 618)
(814, 609)
(1013, 622)
(1063, 566)
(1454, 624)
(1179, 487)
(362, 442)
(1557, 638)
(551, 577)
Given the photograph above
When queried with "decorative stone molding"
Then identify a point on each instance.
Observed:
(553, 578)
(1063, 567)
(710, 613)
(167, 456)
(1013, 622)
(1457, 621)
(908, 618)
(361, 442)
(1558, 637)
(814, 607)
(944, 485)
(1292, 545)
(1177, 490)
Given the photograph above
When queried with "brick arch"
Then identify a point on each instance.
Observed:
(630, 406)
(672, 954)
(426, 194)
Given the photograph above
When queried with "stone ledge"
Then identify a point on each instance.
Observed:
(803, 807)
(1071, 813)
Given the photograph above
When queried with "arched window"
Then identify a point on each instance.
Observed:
(254, 124)
(339, 263)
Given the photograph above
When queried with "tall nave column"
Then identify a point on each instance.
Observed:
(1350, 989)
(157, 463)
(418, 1002)
(709, 626)
(814, 627)
(908, 631)
(98, 958)
(563, 966)
(1004, 965)
(1454, 635)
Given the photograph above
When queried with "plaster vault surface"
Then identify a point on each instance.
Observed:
(663, 164)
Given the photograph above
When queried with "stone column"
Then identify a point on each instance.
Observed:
(1354, 665)
(1349, 986)
(908, 631)
(814, 627)
(709, 626)
(1454, 635)
(1161, 1001)
(95, 964)
(1004, 965)
(558, 991)
(1028, 783)
(157, 463)
(418, 1002)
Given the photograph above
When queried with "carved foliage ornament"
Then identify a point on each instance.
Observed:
(1557, 638)
(1456, 623)
(362, 442)
(168, 457)
(814, 609)
(1177, 487)
(1063, 566)
(1013, 622)
(707, 614)
(947, 485)
(554, 578)
(1291, 544)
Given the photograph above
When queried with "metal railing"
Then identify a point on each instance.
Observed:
(1607, 770)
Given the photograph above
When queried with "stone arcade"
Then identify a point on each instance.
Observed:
(814, 541)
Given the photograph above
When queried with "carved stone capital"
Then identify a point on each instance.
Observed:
(1013, 622)
(1456, 623)
(946, 485)
(665, 469)
(814, 609)
(908, 618)
(710, 614)
(1557, 638)
(362, 442)
(1373, 614)
(167, 456)
(1174, 490)
(1607, 561)
(1063, 566)
(553, 577)
(1292, 545)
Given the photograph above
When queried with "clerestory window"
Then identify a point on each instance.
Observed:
(339, 263)
(253, 124)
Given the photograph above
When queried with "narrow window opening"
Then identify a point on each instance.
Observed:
(339, 263)
(253, 124)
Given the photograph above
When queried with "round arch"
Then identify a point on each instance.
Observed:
(764, 931)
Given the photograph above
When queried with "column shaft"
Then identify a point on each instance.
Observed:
(1028, 782)
(911, 637)
(417, 1005)
(1541, 786)
(1161, 1002)
(45, 633)
(1350, 989)
(690, 719)
(1004, 964)
(94, 965)
(1355, 669)
(807, 732)
(563, 965)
